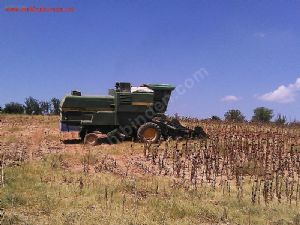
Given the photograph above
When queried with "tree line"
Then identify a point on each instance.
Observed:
(33, 106)
(260, 114)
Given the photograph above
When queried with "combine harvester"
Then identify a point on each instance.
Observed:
(126, 112)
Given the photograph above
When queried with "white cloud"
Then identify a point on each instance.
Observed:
(283, 94)
(230, 98)
(259, 35)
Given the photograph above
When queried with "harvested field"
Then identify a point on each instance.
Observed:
(243, 174)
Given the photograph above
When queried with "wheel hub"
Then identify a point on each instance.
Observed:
(149, 133)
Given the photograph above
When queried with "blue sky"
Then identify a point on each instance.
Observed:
(250, 51)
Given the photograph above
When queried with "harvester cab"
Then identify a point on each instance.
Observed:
(126, 112)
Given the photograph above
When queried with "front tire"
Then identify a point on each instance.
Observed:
(149, 132)
(91, 139)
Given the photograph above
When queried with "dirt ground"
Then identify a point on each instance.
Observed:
(25, 138)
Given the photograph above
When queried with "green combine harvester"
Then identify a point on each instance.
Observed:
(126, 112)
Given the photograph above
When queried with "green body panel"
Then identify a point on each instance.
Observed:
(87, 103)
(101, 118)
(133, 102)
(120, 108)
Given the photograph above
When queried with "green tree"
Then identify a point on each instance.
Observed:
(234, 115)
(13, 107)
(262, 114)
(45, 107)
(55, 106)
(280, 119)
(32, 106)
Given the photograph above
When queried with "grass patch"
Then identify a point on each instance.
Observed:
(43, 192)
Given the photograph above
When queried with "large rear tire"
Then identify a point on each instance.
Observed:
(149, 132)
